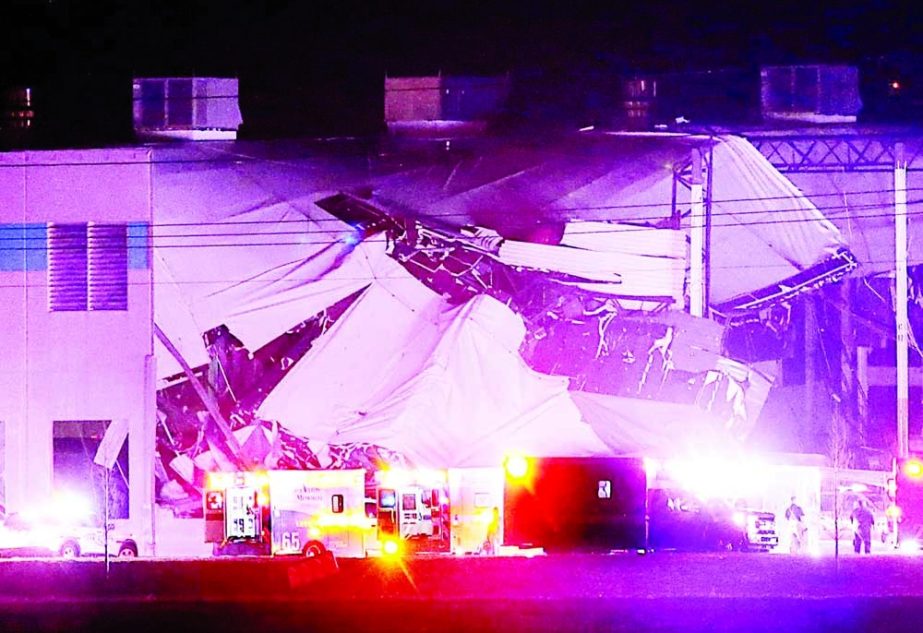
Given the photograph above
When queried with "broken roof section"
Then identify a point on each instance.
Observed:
(244, 237)
(763, 230)
(239, 240)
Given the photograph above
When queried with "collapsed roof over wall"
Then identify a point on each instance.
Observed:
(443, 308)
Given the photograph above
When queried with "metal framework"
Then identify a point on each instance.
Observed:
(837, 153)
(869, 152)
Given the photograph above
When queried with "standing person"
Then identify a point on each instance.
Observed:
(796, 527)
(862, 520)
(492, 542)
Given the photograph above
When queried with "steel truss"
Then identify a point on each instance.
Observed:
(838, 153)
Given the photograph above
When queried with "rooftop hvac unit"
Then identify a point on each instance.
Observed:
(814, 94)
(186, 107)
(443, 105)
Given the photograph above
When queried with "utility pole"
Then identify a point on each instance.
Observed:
(900, 297)
(697, 238)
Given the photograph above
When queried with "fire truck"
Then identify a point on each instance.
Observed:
(905, 513)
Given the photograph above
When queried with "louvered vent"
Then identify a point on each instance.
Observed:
(67, 267)
(108, 266)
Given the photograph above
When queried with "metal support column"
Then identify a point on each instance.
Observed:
(900, 296)
(697, 238)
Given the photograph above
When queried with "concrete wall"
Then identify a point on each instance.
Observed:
(73, 365)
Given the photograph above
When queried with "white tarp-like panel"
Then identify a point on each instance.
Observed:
(243, 244)
(861, 205)
(628, 275)
(379, 343)
(445, 386)
(648, 428)
(625, 239)
(259, 309)
(763, 228)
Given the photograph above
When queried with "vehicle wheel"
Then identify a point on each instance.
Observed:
(128, 550)
(314, 548)
(70, 549)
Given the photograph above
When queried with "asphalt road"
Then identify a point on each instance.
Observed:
(622, 592)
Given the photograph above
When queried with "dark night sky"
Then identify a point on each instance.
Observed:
(330, 57)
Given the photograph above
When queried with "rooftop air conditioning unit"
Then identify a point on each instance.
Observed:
(443, 105)
(191, 108)
(812, 94)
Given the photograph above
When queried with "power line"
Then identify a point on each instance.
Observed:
(156, 241)
(257, 280)
(466, 215)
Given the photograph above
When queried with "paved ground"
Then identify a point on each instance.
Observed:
(688, 592)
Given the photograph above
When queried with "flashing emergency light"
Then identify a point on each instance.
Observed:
(391, 548)
(716, 478)
(403, 478)
(517, 466)
(913, 468)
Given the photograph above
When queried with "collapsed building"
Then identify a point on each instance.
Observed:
(438, 298)
(430, 303)
(440, 304)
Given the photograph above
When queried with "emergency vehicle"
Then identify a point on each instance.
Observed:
(575, 503)
(412, 510)
(302, 512)
(351, 513)
(905, 513)
(526, 506)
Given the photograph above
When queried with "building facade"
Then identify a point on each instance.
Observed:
(76, 311)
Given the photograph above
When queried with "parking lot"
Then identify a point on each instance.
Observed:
(624, 591)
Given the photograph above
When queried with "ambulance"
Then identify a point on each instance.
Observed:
(289, 512)
(350, 513)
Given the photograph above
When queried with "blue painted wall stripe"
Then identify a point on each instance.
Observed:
(139, 245)
(23, 247)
